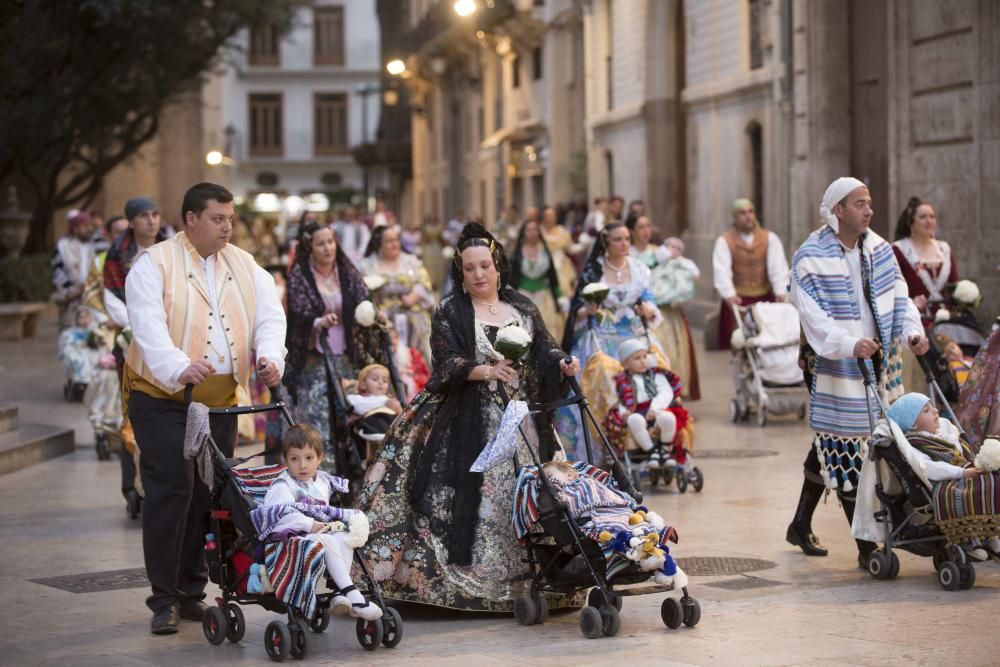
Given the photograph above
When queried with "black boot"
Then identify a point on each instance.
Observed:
(800, 529)
(864, 546)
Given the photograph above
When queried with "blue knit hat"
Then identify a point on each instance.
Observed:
(906, 409)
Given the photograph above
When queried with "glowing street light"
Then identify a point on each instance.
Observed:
(214, 158)
(395, 67)
(465, 7)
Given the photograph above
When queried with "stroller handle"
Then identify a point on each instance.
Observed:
(866, 374)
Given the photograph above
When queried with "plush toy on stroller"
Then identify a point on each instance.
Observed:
(765, 363)
(261, 553)
(649, 426)
(584, 528)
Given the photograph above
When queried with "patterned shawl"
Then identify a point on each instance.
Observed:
(119, 260)
(838, 405)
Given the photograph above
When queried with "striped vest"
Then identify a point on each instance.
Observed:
(189, 308)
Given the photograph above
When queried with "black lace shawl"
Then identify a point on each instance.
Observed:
(458, 427)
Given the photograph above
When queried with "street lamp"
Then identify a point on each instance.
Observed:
(395, 67)
(214, 158)
(465, 7)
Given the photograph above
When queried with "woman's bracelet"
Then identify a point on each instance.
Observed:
(488, 375)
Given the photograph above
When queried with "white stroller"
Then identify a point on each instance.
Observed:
(765, 363)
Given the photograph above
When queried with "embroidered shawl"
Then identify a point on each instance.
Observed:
(838, 406)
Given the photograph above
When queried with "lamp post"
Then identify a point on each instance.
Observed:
(365, 90)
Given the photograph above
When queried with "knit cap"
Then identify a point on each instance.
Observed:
(137, 206)
(630, 347)
(906, 409)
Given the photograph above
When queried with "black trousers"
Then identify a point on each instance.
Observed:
(176, 498)
(128, 470)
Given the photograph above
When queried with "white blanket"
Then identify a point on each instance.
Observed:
(778, 324)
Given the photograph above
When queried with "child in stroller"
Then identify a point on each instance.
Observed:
(78, 354)
(373, 408)
(920, 490)
(284, 573)
(649, 402)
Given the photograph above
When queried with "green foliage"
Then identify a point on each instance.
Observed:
(26, 278)
(82, 83)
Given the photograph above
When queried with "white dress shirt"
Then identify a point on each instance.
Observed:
(722, 265)
(828, 337)
(147, 314)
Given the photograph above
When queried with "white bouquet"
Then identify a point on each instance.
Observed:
(595, 292)
(942, 315)
(967, 293)
(374, 282)
(988, 458)
(364, 314)
(512, 342)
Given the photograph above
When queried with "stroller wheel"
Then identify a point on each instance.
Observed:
(697, 479)
(967, 572)
(369, 633)
(611, 622)
(671, 613)
(734, 411)
(213, 624)
(880, 564)
(949, 576)
(300, 645)
(692, 611)
(321, 621)
(654, 476)
(392, 628)
(762, 417)
(591, 622)
(525, 610)
(542, 607)
(682, 482)
(277, 640)
(236, 625)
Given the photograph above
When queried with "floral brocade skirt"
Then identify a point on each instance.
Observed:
(408, 560)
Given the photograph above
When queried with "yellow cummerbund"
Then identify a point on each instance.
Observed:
(217, 391)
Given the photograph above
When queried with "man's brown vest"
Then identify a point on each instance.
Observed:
(749, 262)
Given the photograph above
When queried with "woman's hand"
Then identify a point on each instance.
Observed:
(970, 472)
(571, 367)
(648, 310)
(329, 320)
(502, 371)
(410, 299)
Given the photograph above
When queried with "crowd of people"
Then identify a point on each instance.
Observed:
(384, 341)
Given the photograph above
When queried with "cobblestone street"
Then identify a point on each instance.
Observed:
(64, 517)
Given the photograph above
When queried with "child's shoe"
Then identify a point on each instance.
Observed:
(654, 459)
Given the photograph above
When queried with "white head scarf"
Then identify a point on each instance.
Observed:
(839, 189)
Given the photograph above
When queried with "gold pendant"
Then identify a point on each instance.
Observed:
(222, 359)
(493, 309)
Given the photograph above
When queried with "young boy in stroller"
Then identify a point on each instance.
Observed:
(373, 408)
(649, 404)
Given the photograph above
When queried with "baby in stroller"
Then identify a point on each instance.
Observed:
(966, 487)
(77, 354)
(647, 397)
(297, 504)
(373, 408)
(615, 521)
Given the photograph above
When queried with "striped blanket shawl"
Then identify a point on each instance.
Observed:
(838, 406)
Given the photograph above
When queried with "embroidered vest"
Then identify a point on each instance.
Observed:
(749, 263)
(189, 314)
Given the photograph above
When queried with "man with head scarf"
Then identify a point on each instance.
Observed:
(854, 307)
(72, 260)
(748, 265)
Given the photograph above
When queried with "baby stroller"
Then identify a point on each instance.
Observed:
(966, 334)
(766, 368)
(235, 560)
(906, 506)
(563, 559)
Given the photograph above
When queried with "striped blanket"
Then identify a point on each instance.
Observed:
(297, 566)
(838, 406)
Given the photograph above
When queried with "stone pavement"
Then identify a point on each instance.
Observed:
(65, 517)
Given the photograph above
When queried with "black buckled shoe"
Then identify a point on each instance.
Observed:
(806, 541)
(164, 621)
(193, 610)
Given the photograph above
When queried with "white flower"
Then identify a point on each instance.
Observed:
(988, 458)
(966, 292)
(374, 282)
(513, 334)
(942, 315)
(595, 292)
(364, 314)
(357, 530)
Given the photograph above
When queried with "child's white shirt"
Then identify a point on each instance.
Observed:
(664, 394)
(286, 490)
(364, 404)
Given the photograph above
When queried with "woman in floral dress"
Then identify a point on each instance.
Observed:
(440, 534)
(324, 288)
(407, 297)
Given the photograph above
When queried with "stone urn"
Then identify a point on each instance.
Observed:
(14, 226)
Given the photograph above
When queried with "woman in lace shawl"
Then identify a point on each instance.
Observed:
(442, 535)
(324, 288)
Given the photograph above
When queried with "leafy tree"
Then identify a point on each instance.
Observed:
(82, 84)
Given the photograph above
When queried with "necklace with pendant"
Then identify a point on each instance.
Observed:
(222, 357)
(491, 306)
(617, 269)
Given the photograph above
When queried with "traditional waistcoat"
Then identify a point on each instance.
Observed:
(189, 314)
(749, 263)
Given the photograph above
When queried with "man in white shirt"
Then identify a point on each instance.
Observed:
(71, 262)
(748, 265)
(199, 307)
(854, 307)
